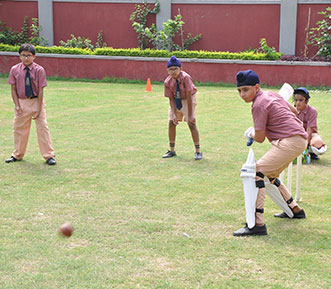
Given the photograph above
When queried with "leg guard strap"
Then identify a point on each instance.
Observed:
(275, 181)
(260, 184)
(289, 201)
(259, 174)
(259, 211)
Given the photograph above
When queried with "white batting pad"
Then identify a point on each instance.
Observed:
(248, 173)
(276, 196)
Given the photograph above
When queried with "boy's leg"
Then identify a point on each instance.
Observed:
(196, 141)
(297, 211)
(193, 126)
(172, 135)
(259, 228)
(275, 161)
(195, 136)
(22, 126)
(259, 214)
(44, 138)
(172, 140)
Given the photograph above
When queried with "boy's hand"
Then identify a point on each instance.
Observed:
(191, 120)
(36, 114)
(249, 134)
(18, 110)
(174, 119)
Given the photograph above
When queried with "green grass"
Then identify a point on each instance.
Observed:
(142, 221)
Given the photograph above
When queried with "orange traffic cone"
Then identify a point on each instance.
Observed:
(148, 85)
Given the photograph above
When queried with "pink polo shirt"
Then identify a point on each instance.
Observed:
(272, 114)
(185, 84)
(17, 76)
(309, 117)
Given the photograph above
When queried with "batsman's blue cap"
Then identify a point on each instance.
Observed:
(247, 78)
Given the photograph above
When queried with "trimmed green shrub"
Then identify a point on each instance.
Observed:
(137, 52)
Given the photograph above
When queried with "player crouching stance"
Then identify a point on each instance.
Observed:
(274, 119)
(308, 115)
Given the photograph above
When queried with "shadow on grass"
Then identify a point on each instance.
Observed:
(321, 163)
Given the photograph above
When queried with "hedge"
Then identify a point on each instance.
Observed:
(137, 52)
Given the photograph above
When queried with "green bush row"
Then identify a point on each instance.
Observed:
(152, 53)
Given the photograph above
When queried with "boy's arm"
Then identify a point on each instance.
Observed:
(172, 103)
(40, 101)
(312, 124)
(292, 108)
(259, 135)
(310, 131)
(14, 96)
(191, 120)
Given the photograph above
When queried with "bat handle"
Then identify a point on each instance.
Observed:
(250, 141)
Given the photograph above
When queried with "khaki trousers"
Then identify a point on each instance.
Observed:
(22, 126)
(273, 162)
(183, 113)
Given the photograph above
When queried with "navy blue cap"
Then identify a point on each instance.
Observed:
(247, 78)
(302, 91)
(173, 61)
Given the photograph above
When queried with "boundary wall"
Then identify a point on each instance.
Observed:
(98, 67)
(233, 26)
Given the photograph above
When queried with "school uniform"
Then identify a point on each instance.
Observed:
(309, 119)
(185, 84)
(272, 115)
(283, 130)
(30, 105)
(285, 133)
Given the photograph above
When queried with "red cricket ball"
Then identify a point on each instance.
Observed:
(66, 230)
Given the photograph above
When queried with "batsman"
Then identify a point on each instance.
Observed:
(274, 118)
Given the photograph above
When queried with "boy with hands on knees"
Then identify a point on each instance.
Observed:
(182, 94)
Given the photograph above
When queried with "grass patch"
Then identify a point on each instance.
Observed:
(142, 221)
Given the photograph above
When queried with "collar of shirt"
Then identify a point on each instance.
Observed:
(259, 93)
(31, 66)
(179, 78)
(305, 111)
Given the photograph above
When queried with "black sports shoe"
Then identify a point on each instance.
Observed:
(198, 156)
(255, 231)
(169, 154)
(11, 159)
(299, 215)
(51, 162)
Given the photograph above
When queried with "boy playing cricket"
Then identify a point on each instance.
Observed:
(274, 120)
(182, 94)
(308, 115)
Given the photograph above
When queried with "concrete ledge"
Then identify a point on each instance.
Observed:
(203, 70)
(185, 60)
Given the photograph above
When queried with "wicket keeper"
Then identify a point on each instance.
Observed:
(308, 115)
